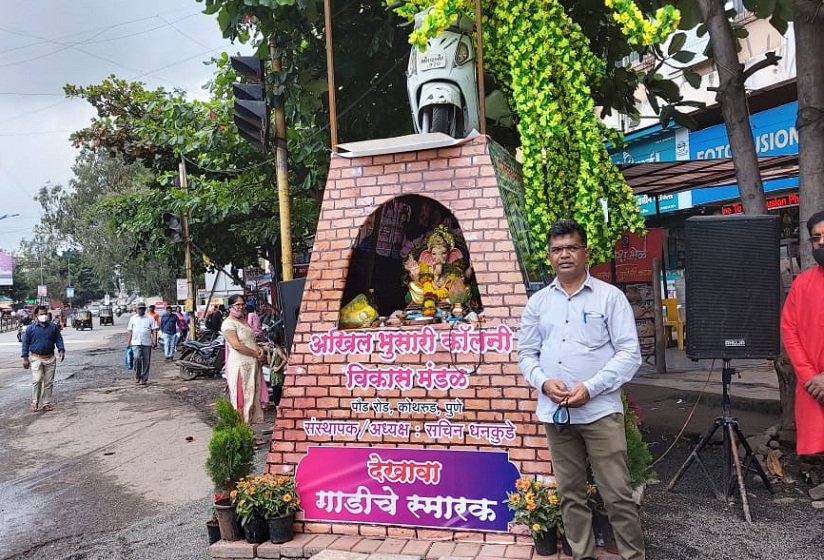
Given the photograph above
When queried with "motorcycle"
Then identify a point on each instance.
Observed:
(442, 84)
(201, 358)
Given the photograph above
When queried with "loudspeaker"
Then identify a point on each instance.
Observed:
(291, 294)
(733, 286)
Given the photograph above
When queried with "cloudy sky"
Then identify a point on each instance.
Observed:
(45, 44)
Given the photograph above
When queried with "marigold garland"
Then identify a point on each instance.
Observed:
(546, 64)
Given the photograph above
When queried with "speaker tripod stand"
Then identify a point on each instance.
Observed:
(732, 437)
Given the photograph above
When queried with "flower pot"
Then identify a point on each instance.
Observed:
(565, 548)
(213, 530)
(256, 530)
(282, 529)
(227, 520)
(547, 543)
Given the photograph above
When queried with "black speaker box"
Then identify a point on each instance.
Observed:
(733, 286)
(291, 294)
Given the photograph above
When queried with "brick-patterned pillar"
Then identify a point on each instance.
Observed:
(318, 409)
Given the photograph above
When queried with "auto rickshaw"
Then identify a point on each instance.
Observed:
(83, 320)
(106, 315)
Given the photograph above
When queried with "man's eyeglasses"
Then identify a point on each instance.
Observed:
(816, 238)
(561, 416)
(571, 248)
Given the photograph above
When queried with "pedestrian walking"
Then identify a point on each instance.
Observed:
(40, 340)
(169, 328)
(577, 346)
(142, 337)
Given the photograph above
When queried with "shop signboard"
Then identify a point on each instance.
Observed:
(773, 130)
(182, 289)
(784, 201)
(774, 133)
(633, 274)
(6, 269)
(671, 144)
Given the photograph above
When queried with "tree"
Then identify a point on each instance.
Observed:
(808, 23)
(733, 100)
(230, 205)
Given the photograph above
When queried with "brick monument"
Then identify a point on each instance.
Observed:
(413, 431)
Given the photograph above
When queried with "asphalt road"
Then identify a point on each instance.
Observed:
(110, 455)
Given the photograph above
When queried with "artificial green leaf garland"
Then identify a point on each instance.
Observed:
(546, 64)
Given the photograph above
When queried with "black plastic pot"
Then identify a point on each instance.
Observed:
(213, 530)
(256, 530)
(546, 544)
(281, 529)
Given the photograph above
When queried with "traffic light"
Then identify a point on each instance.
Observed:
(251, 111)
(173, 227)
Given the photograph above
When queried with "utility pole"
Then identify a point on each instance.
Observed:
(187, 244)
(330, 75)
(282, 172)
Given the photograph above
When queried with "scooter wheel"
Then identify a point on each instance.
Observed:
(187, 374)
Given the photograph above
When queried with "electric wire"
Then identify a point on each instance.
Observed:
(687, 421)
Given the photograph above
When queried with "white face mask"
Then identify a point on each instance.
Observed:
(42, 318)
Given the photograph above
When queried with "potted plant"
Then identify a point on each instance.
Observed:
(213, 527)
(231, 458)
(266, 506)
(536, 505)
(281, 508)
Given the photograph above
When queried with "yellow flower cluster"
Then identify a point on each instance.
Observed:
(536, 505)
(637, 28)
(269, 495)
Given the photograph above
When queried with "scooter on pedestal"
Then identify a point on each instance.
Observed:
(442, 84)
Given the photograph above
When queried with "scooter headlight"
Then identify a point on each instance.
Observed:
(462, 54)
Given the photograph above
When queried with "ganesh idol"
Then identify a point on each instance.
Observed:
(440, 276)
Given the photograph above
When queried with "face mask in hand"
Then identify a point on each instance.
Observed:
(42, 318)
(818, 255)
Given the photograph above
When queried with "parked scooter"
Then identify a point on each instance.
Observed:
(442, 84)
(201, 358)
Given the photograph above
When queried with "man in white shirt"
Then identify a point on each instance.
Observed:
(142, 337)
(577, 346)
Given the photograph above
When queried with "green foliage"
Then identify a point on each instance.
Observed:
(639, 458)
(231, 456)
(227, 415)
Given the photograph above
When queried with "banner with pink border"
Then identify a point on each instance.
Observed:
(438, 488)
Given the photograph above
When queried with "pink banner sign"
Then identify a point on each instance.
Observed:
(439, 488)
(6, 268)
